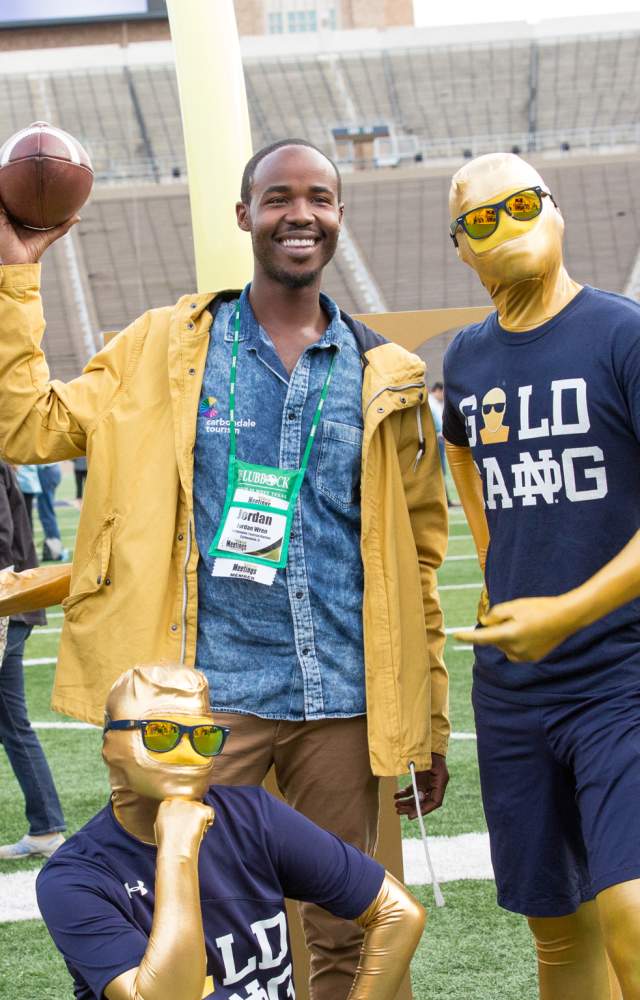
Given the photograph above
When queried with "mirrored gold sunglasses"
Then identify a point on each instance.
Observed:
(478, 223)
(162, 735)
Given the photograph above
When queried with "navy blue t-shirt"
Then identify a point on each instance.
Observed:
(553, 419)
(96, 894)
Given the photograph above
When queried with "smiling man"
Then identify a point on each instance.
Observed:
(264, 494)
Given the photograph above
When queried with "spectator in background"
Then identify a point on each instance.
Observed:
(29, 483)
(42, 806)
(50, 478)
(436, 403)
(80, 471)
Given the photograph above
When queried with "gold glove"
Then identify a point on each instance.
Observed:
(32, 589)
(529, 628)
(393, 926)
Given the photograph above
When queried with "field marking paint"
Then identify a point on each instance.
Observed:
(459, 558)
(463, 649)
(49, 631)
(40, 661)
(87, 725)
(457, 628)
(458, 586)
(72, 725)
(454, 858)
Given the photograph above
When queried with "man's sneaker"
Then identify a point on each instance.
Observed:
(29, 846)
(52, 551)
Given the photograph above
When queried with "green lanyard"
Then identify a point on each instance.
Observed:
(259, 506)
(232, 401)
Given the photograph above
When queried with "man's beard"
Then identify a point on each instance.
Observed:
(292, 279)
(289, 279)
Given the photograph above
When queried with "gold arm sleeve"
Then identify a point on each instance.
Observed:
(612, 586)
(469, 487)
(176, 949)
(530, 627)
(393, 926)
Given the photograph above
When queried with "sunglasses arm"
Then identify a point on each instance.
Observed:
(176, 949)
(393, 926)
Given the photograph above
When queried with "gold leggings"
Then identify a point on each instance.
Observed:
(577, 955)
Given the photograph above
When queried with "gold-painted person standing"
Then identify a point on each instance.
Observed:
(550, 503)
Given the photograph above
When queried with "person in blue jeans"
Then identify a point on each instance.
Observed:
(42, 805)
(50, 478)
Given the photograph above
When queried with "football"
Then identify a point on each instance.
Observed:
(45, 176)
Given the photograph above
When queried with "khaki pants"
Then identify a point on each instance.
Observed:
(322, 770)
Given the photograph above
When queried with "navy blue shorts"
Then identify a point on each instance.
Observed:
(561, 793)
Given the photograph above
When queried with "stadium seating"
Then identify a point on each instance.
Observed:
(582, 92)
(134, 246)
(137, 250)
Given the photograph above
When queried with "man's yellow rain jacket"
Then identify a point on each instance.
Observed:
(133, 595)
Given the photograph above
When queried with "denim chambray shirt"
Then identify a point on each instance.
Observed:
(293, 650)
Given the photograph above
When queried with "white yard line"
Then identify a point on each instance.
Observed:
(458, 558)
(40, 661)
(454, 858)
(456, 586)
(48, 631)
(87, 725)
(457, 628)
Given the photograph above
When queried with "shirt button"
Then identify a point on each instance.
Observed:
(299, 594)
(305, 651)
(174, 627)
(292, 534)
(180, 537)
(107, 582)
(291, 415)
(192, 371)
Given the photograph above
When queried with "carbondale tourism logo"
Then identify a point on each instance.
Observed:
(213, 423)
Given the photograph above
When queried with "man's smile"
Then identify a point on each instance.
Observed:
(298, 245)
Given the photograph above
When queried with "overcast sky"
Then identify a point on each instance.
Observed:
(472, 12)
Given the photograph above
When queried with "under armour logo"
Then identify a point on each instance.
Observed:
(140, 887)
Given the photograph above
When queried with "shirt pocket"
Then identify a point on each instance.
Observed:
(338, 469)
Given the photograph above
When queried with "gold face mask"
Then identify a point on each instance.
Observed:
(520, 263)
(177, 694)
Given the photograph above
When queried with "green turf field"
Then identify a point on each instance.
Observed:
(470, 949)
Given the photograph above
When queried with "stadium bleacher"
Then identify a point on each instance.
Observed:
(134, 248)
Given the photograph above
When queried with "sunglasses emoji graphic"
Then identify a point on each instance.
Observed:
(494, 404)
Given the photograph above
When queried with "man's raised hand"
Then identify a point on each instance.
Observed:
(19, 245)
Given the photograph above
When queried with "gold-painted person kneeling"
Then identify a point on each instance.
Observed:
(176, 888)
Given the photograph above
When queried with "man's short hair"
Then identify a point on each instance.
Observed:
(250, 169)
